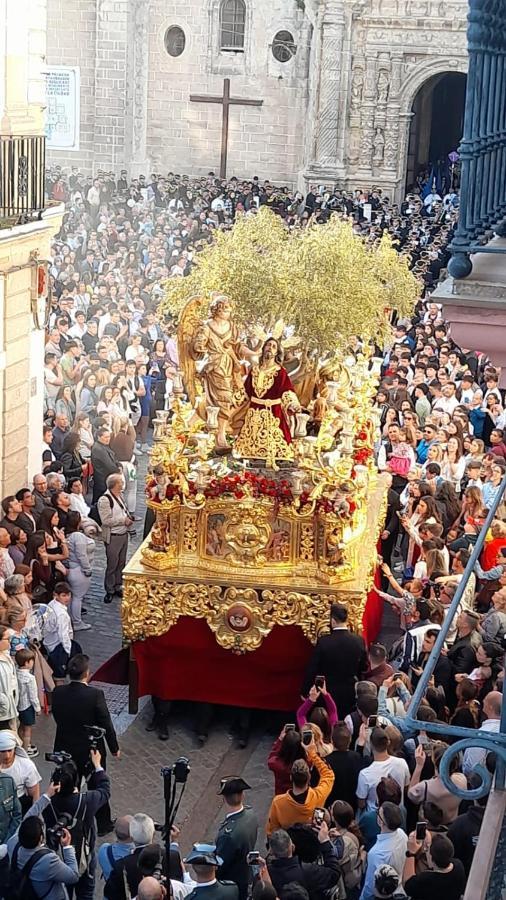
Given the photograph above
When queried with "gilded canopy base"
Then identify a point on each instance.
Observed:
(243, 594)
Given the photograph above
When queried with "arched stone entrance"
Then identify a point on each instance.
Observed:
(435, 126)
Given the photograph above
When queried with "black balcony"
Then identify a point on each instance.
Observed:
(483, 148)
(22, 167)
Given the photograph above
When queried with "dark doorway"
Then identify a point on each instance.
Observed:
(436, 123)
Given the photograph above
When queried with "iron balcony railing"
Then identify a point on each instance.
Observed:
(469, 737)
(22, 168)
(482, 209)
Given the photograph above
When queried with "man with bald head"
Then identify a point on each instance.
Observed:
(475, 756)
(151, 889)
(109, 853)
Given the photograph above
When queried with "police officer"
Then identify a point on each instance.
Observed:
(205, 861)
(237, 834)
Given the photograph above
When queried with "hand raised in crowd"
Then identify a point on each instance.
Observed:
(420, 757)
(96, 758)
(66, 838)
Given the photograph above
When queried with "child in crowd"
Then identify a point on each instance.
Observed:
(28, 700)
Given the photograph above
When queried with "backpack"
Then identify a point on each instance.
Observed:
(80, 837)
(19, 884)
(94, 513)
(351, 862)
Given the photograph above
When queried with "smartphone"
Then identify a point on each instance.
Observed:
(307, 737)
(252, 857)
(318, 816)
(290, 726)
(319, 681)
(372, 721)
(421, 831)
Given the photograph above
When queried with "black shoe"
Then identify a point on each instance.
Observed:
(119, 593)
(152, 724)
(108, 599)
(107, 828)
(163, 731)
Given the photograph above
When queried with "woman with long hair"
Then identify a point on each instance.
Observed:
(348, 840)
(71, 459)
(40, 566)
(454, 464)
(65, 403)
(449, 504)
(17, 549)
(285, 750)
(433, 789)
(82, 427)
(425, 510)
(88, 398)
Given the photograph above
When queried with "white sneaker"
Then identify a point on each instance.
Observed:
(82, 626)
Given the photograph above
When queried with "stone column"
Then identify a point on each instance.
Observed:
(137, 111)
(328, 162)
(111, 83)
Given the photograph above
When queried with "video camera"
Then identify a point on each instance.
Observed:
(172, 776)
(59, 757)
(95, 734)
(180, 770)
(55, 833)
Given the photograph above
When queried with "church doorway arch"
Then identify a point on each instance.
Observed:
(436, 122)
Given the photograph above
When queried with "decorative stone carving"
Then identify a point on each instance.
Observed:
(357, 85)
(378, 147)
(383, 87)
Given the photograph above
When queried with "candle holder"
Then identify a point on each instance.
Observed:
(301, 420)
(212, 413)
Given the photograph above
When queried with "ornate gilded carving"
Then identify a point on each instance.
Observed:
(248, 532)
(190, 532)
(307, 547)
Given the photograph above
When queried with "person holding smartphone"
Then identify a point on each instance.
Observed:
(298, 804)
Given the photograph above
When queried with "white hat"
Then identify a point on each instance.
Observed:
(8, 741)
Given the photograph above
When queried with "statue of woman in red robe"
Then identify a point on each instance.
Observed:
(265, 433)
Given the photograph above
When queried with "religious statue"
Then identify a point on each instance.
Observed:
(383, 87)
(357, 85)
(265, 433)
(213, 348)
(378, 147)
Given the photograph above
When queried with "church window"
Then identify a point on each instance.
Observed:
(232, 25)
(174, 40)
(283, 46)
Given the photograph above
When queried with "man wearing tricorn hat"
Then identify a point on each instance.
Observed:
(204, 862)
(237, 834)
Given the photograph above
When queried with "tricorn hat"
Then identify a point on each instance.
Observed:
(233, 784)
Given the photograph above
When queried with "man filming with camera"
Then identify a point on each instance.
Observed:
(64, 807)
(47, 871)
(82, 722)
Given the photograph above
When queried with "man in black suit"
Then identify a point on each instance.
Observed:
(104, 462)
(75, 706)
(341, 657)
(391, 530)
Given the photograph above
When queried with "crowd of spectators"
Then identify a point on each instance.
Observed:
(359, 807)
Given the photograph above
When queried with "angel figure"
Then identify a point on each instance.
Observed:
(214, 345)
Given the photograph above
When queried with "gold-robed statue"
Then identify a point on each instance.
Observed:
(266, 432)
(210, 352)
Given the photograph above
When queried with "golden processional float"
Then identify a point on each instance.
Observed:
(265, 500)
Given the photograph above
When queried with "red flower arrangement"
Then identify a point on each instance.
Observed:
(258, 486)
(361, 455)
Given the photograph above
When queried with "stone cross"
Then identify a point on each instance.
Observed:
(226, 101)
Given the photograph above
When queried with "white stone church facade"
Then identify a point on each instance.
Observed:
(337, 80)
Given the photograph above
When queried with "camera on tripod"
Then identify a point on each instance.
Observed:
(180, 770)
(95, 734)
(59, 757)
(55, 833)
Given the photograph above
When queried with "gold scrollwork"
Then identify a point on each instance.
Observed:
(190, 532)
(306, 546)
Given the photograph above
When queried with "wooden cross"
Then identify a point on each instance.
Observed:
(226, 102)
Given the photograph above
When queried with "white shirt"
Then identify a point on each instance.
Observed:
(23, 772)
(57, 627)
(389, 849)
(475, 756)
(78, 504)
(370, 777)
(446, 404)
